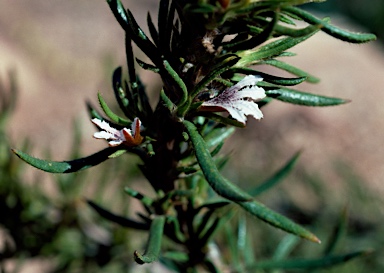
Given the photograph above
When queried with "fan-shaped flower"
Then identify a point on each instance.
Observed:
(129, 137)
(239, 100)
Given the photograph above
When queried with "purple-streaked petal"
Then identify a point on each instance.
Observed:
(237, 114)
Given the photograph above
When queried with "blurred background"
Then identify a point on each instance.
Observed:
(63, 53)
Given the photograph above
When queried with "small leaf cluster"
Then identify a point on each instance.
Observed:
(199, 48)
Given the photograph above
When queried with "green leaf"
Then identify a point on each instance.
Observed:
(145, 108)
(118, 153)
(123, 221)
(338, 232)
(141, 40)
(269, 78)
(145, 200)
(173, 230)
(176, 256)
(277, 220)
(302, 98)
(162, 23)
(220, 184)
(213, 205)
(119, 12)
(67, 166)
(124, 97)
(291, 69)
(115, 118)
(336, 32)
(178, 81)
(256, 40)
(165, 22)
(152, 250)
(293, 32)
(92, 112)
(271, 49)
(152, 29)
(147, 66)
(323, 262)
(167, 101)
(276, 178)
(220, 119)
(218, 135)
(225, 65)
(230, 191)
(287, 244)
(218, 222)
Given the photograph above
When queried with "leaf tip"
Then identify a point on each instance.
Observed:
(313, 238)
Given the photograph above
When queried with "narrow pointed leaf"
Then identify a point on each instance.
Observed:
(145, 200)
(275, 219)
(132, 86)
(147, 66)
(336, 32)
(293, 32)
(145, 109)
(152, 250)
(213, 205)
(257, 39)
(323, 262)
(214, 227)
(114, 118)
(215, 72)
(165, 43)
(218, 135)
(92, 112)
(119, 11)
(67, 166)
(162, 22)
(178, 81)
(291, 69)
(276, 178)
(124, 97)
(152, 29)
(221, 119)
(123, 221)
(302, 98)
(230, 191)
(285, 247)
(141, 40)
(338, 232)
(272, 49)
(220, 184)
(167, 101)
(270, 78)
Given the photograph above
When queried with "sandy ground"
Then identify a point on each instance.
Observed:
(64, 53)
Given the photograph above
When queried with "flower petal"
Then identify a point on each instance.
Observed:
(105, 126)
(236, 114)
(255, 93)
(250, 108)
(104, 135)
(239, 100)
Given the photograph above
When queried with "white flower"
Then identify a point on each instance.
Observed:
(239, 100)
(129, 137)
